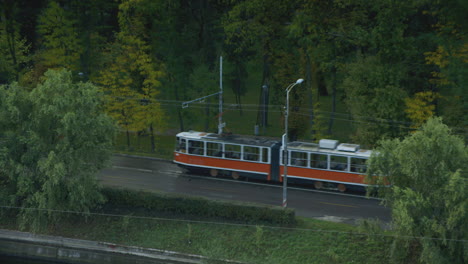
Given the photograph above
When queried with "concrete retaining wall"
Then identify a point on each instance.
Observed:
(54, 248)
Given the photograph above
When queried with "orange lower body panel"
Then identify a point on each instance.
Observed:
(265, 169)
(325, 175)
(225, 164)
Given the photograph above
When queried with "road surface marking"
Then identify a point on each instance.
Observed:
(130, 168)
(340, 205)
(114, 177)
(214, 189)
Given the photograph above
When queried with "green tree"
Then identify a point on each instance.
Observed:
(322, 31)
(96, 23)
(185, 35)
(204, 83)
(51, 148)
(340, 43)
(13, 47)
(375, 98)
(449, 59)
(240, 30)
(256, 28)
(132, 78)
(130, 83)
(421, 107)
(428, 196)
(59, 39)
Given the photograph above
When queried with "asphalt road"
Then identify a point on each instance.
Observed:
(164, 176)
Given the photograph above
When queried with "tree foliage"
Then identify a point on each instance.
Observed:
(130, 83)
(255, 28)
(421, 107)
(320, 31)
(204, 83)
(13, 47)
(60, 44)
(375, 98)
(51, 147)
(428, 196)
(129, 79)
(333, 45)
(449, 59)
(132, 78)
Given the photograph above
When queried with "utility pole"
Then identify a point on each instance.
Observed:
(220, 116)
(220, 94)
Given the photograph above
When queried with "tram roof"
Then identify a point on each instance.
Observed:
(229, 138)
(340, 149)
(334, 149)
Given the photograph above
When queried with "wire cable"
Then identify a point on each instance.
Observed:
(233, 224)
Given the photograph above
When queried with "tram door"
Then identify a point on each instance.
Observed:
(275, 166)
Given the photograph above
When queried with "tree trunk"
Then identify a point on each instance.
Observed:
(181, 121)
(153, 146)
(10, 36)
(262, 113)
(128, 139)
(238, 84)
(179, 113)
(207, 114)
(333, 110)
(239, 104)
(308, 76)
(126, 128)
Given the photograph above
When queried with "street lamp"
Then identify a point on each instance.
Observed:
(285, 143)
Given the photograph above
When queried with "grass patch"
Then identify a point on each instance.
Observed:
(246, 243)
(308, 241)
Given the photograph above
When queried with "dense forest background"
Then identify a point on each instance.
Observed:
(372, 69)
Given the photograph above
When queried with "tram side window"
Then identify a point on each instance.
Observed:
(318, 161)
(232, 151)
(299, 158)
(196, 147)
(181, 144)
(358, 165)
(251, 153)
(265, 155)
(339, 163)
(214, 149)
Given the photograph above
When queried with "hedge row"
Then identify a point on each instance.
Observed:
(200, 207)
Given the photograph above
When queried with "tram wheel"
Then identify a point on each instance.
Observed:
(235, 175)
(341, 187)
(318, 185)
(214, 172)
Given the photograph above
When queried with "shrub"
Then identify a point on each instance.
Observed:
(153, 203)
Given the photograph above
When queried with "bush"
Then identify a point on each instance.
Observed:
(152, 203)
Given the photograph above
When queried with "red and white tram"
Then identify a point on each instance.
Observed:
(325, 165)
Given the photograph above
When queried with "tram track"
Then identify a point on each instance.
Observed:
(175, 173)
(273, 185)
